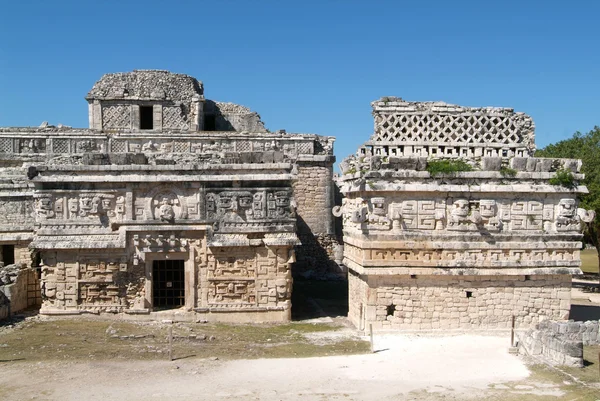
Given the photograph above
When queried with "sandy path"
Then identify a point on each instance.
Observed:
(462, 366)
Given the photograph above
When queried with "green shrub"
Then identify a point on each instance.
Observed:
(508, 172)
(435, 167)
(563, 177)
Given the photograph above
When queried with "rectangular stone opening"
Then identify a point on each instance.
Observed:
(209, 122)
(168, 284)
(8, 255)
(146, 117)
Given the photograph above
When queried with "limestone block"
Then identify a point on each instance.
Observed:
(491, 163)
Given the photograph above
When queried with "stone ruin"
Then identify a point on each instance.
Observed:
(171, 200)
(167, 200)
(450, 222)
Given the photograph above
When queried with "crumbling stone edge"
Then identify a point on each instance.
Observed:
(559, 343)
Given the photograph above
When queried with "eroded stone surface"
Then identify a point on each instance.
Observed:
(167, 195)
(469, 248)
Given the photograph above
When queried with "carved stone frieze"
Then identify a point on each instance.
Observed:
(231, 293)
(238, 206)
(16, 211)
(163, 203)
(460, 258)
(160, 243)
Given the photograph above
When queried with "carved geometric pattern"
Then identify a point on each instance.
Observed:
(117, 116)
(398, 128)
(243, 146)
(60, 146)
(173, 117)
(526, 215)
(6, 145)
(181, 147)
(119, 146)
(305, 148)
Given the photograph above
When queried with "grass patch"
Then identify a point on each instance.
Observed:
(508, 172)
(589, 261)
(543, 384)
(573, 390)
(436, 167)
(589, 373)
(96, 339)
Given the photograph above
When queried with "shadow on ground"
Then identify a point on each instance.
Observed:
(313, 299)
(14, 319)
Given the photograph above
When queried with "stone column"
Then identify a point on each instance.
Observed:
(157, 116)
(197, 109)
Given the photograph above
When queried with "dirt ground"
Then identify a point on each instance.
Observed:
(403, 367)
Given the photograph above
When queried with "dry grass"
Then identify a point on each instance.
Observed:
(544, 383)
(590, 373)
(589, 261)
(85, 339)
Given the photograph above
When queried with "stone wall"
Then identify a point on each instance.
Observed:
(313, 190)
(23, 254)
(560, 343)
(254, 281)
(17, 293)
(4, 306)
(450, 222)
(358, 291)
(457, 302)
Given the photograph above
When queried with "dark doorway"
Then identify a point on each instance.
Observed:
(146, 117)
(8, 254)
(168, 284)
(209, 122)
(315, 298)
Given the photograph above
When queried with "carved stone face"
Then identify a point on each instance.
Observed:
(282, 288)
(165, 211)
(460, 208)
(45, 204)
(245, 201)
(567, 208)
(378, 206)
(106, 203)
(487, 208)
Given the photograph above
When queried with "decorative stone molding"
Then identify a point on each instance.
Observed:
(410, 230)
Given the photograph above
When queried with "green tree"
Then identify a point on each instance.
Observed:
(587, 148)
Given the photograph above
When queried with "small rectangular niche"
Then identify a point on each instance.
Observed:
(146, 117)
(469, 294)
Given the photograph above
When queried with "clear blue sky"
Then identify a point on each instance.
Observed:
(311, 66)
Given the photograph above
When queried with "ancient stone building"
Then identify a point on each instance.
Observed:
(167, 200)
(450, 222)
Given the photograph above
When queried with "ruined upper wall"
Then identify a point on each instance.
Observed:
(146, 85)
(158, 100)
(233, 117)
(440, 129)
